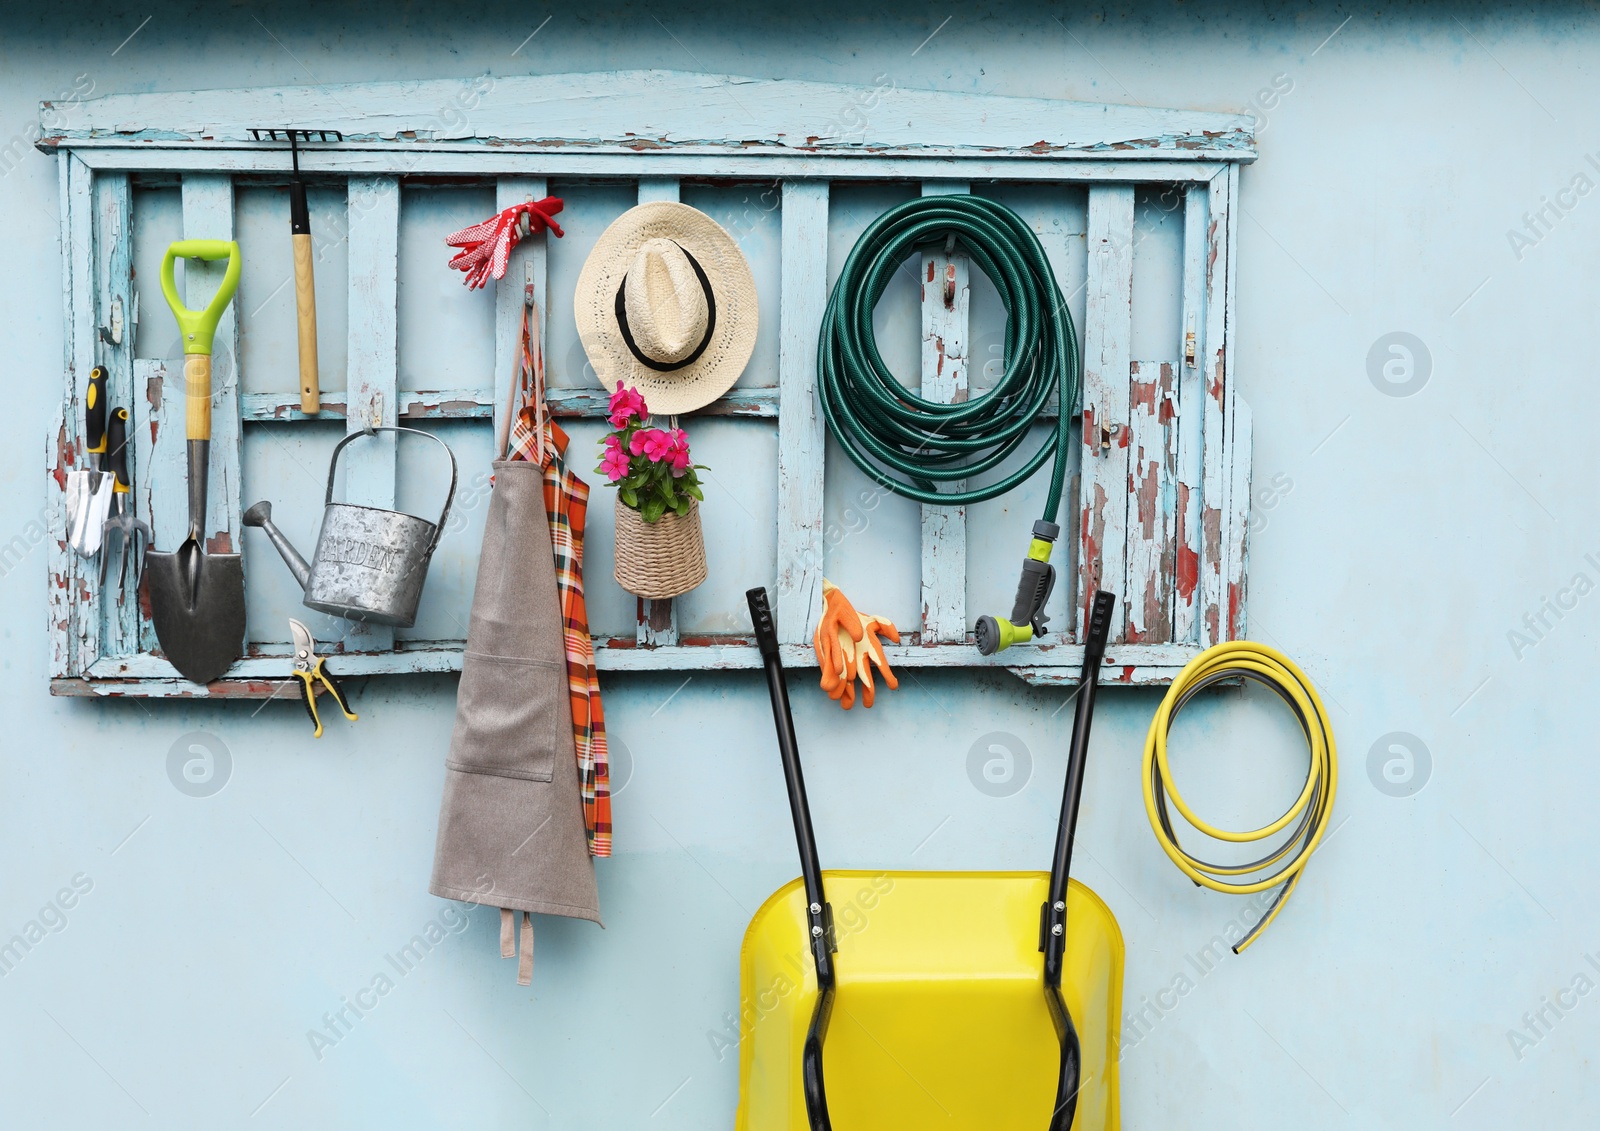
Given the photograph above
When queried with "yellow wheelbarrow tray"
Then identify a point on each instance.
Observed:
(905, 1000)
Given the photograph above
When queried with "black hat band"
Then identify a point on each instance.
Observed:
(711, 320)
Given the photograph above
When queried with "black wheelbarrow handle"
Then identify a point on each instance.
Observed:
(819, 915)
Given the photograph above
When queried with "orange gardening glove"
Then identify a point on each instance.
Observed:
(870, 651)
(847, 645)
(837, 631)
(845, 690)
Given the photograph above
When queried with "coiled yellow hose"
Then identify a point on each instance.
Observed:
(1312, 809)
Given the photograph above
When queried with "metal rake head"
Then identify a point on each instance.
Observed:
(295, 135)
(132, 534)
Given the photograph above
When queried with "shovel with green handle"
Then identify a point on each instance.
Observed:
(197, 597)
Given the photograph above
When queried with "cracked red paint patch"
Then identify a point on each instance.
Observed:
(1142, 394)
(1167, 407)
(66, 456)
(1187, 572)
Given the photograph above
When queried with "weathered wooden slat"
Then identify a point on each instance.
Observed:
(1239, 437)
(474, 160)
(119, 604)
(60, 457)
(1237, 521)
(373, 206)
(657, 112)
(479, 404)
(801, 439)
(946, 295)
(75, 635)
(81, 332)
(1213, 497)
(658, 188)
(1107, 342)
(1191, 420)
(152, 675)
(656, 624)
(526, 267)
(1152, 494)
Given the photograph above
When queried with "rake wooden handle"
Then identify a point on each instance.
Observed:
(305, 300)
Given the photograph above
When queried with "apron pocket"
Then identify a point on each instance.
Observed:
(509, 717)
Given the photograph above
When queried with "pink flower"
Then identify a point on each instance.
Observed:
(626, 405)
(678, 452)
(615, 461)
(654, 444)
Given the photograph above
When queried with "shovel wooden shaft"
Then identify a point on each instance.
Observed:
(197, 392)
(305, 300)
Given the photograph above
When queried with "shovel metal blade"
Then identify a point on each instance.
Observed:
(197, 607)
(89, 496)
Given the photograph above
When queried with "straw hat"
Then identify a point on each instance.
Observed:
(666, 304)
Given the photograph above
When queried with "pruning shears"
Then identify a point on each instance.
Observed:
(311, 669)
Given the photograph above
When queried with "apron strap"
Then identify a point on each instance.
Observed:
(508, 943)
(528, 388)
(525, 962)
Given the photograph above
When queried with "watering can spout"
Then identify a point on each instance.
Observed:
(261, 515)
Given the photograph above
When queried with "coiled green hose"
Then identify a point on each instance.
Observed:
(908, 444)
(911, 445)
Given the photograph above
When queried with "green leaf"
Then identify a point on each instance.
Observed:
(694, 490)
(629, 496)
(652, 510)
(681, 506)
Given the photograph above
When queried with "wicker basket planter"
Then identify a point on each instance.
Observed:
(659, 559)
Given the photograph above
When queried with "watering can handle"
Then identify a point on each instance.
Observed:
(199, 326)
(333, 467)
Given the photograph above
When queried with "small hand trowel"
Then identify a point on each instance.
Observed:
(197, 597)
(89, 489)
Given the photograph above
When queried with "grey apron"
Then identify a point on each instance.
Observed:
(511, 823)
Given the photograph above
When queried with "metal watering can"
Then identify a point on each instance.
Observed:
(370, 563)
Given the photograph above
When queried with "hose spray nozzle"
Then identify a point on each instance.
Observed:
(1033, 590)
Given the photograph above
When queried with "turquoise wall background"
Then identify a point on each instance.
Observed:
(1422, 543)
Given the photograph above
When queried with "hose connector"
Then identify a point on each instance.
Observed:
(1028, 617)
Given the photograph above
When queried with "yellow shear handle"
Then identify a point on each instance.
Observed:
(308, 694)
